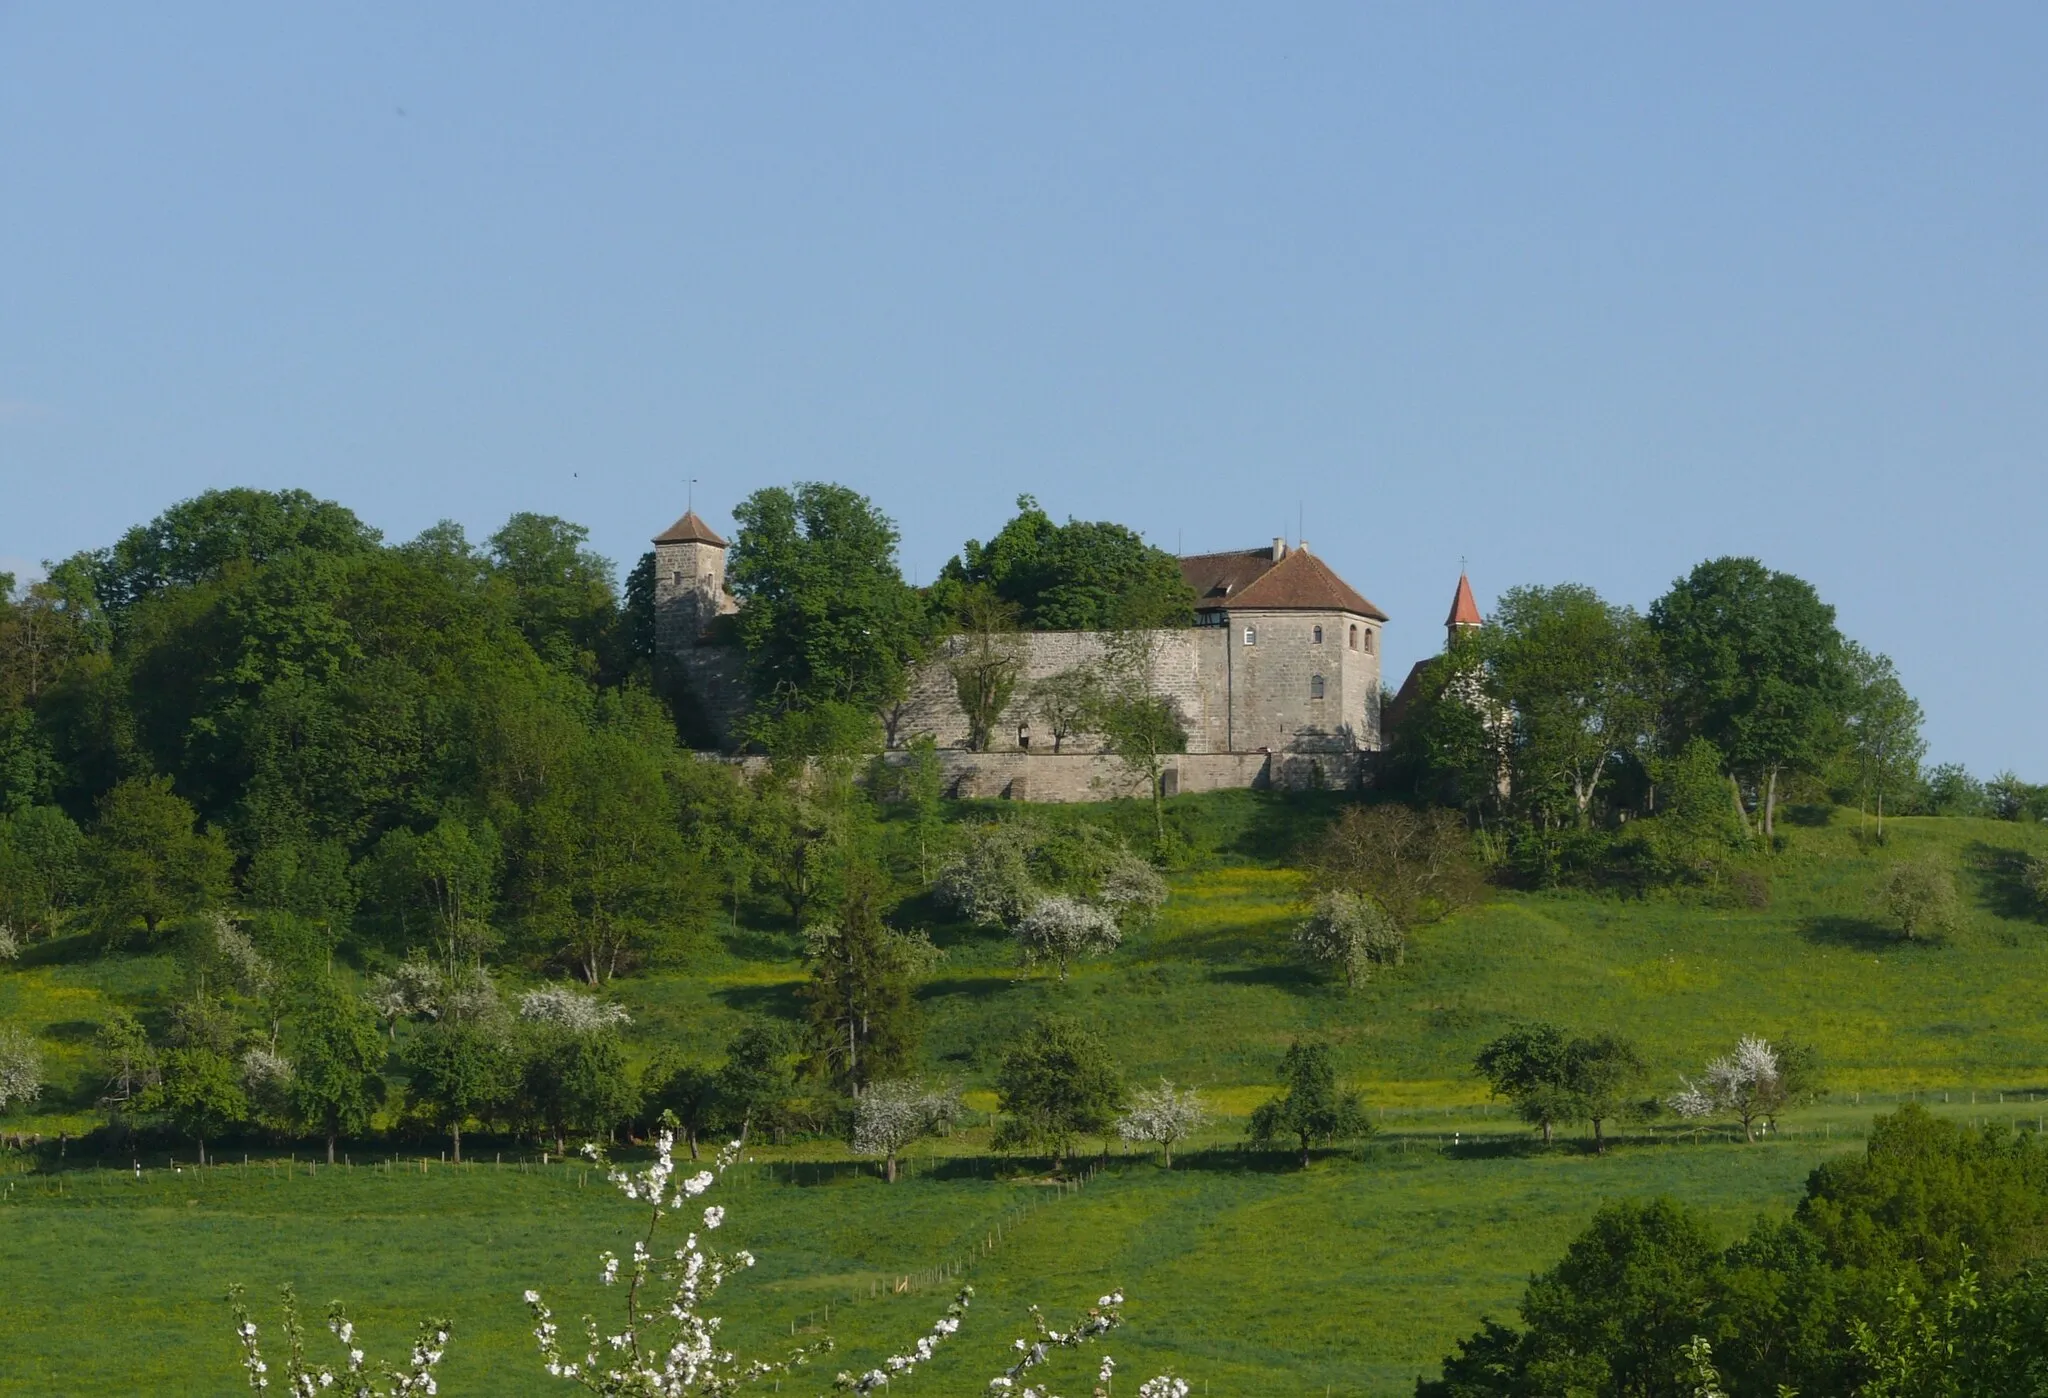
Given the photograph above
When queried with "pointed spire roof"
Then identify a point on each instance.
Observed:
(689, 530)
(1464, 610)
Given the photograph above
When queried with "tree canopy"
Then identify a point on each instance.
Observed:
(1077, 576)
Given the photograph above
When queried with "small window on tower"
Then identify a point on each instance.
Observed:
(676, 577)
(1251, 635)
(1315, 687)
(1354, 638)
(1319, 635)
(1368, 640)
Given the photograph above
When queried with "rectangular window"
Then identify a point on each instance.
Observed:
(1251, 635)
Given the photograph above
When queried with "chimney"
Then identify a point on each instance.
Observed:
(1301, 544)
(1279, 549)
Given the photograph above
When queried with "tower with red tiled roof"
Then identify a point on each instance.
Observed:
(689, 583)
(1464, 611)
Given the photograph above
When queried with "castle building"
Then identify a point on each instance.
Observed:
(1277, 682)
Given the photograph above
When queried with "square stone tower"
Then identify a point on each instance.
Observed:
(689, 584)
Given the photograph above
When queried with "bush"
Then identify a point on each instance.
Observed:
(1352, 934)
(1920, 896)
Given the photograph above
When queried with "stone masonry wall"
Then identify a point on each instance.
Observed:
(1183, 670)
(1040, 776)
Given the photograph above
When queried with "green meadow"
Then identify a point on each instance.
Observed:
(1246, 1276)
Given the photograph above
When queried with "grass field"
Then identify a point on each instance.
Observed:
(1352, 1277)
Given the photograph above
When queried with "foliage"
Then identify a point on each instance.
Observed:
(1062, 929)
(565, 1007)
(825, 614)
(1056, 1082)
(1872, 1287)
(753, 1085)
(562, 595)
(1163, 1115)
(986, 659)
(572, 1080)
(1139, 727)
(604, 873)
(1602, 1070)
(1576, 678)
(148, 862)
(40, 870)
(462, 1070)
(338, 1064)
(1413, 864)
(1884, 730)
(1075, 577)
(21, 1068)
(687, 1092)
(1530, 1065)
(1755, 666)
(1067, 702)
(1311, 1108)
(1920, 896)
(864, 1019)
(1351, 933)
(1748, 1084)
(892, 1113)
(198, 1092)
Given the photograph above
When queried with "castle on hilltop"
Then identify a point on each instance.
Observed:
(1277, 682)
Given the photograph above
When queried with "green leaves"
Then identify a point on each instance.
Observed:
(827, 615)
(1311, 1108)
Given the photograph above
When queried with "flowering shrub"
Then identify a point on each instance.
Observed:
(890, 1115)
(1062, 929)
(21, 1068)
(897, 1366)
(10, 945)
(570, 1009)
(357, 1378)
(1747, 1084)
(1351, 933)
(669, 1351)
(1163, 1115)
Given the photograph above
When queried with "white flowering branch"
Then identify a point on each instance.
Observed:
(898, 1366)
(356, 1379)
(1101, 1318)
(672, 1351)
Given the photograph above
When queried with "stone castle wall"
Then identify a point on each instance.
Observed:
(1070, 777)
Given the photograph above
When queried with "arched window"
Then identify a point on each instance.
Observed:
(1315, 687)
(1368, 640)
(1251, 635)
(1354, 638)
(1319, 635)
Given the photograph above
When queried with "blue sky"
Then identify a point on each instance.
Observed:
(1582, 293)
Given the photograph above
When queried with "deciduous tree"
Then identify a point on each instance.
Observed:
(1310, 1107)
(1055, 1083)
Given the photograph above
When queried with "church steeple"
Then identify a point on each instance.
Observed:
(1464, 611)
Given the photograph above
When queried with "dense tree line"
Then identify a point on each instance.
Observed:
(1566, 718)
(1912, 1270)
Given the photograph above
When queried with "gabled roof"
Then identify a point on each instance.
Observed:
(689, 530)
(1254, 580)
(1464, 610)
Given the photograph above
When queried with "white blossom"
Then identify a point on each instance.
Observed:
(570, 1009)
(1162, 1115)
(1062, 929)
(21, 1068)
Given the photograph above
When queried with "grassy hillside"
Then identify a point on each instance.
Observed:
(1352, 1277)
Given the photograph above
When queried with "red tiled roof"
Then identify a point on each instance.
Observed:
(1464, 611)
(1254, 580)
(689, 530)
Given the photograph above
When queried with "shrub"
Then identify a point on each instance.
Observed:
(1920, 896)
(1352, 934)
(21, 1069)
